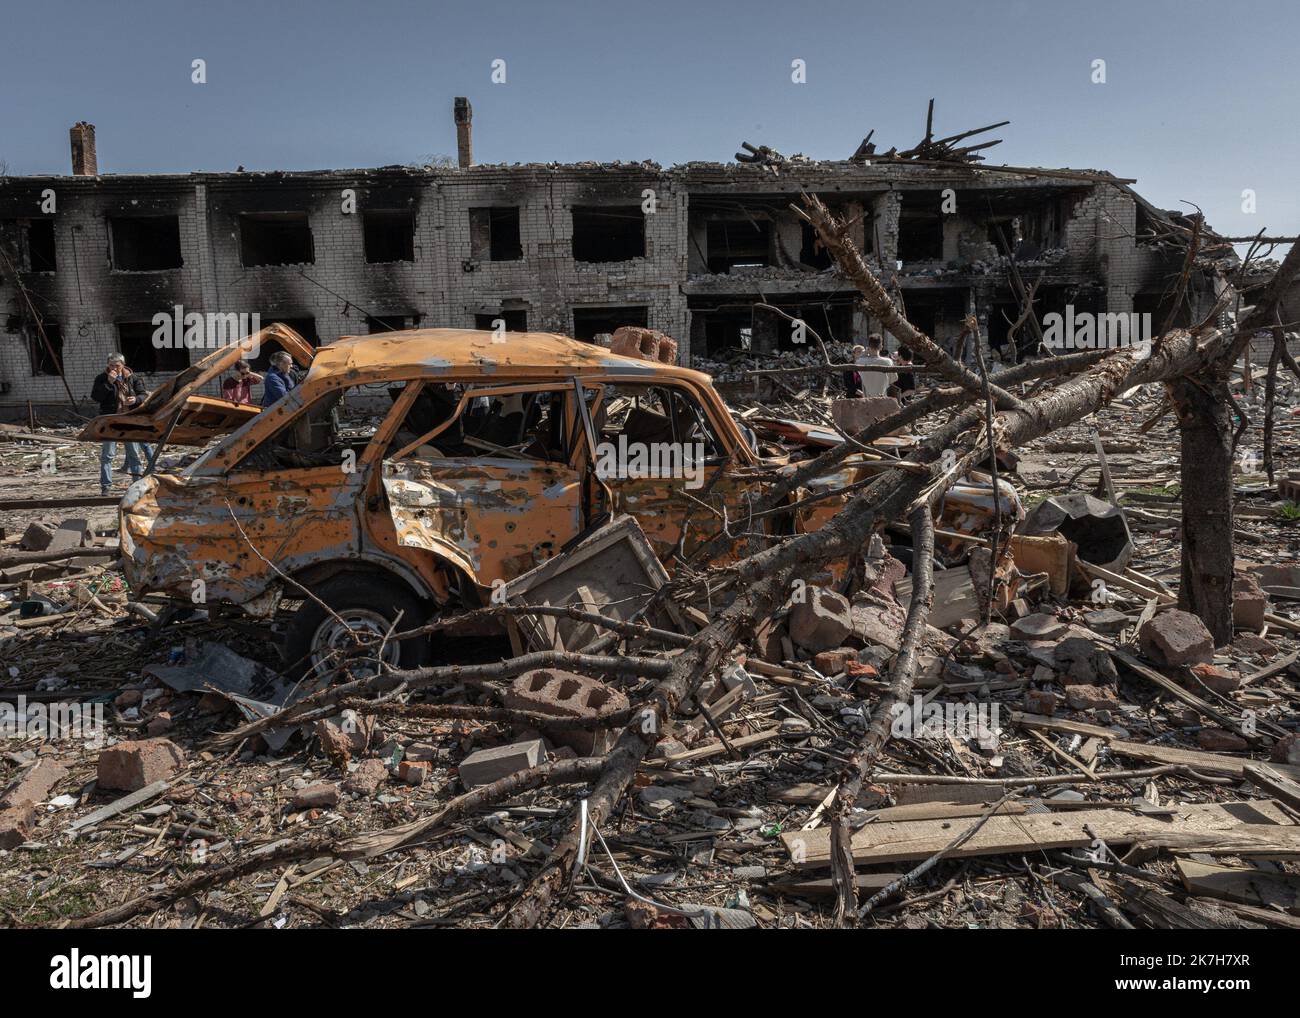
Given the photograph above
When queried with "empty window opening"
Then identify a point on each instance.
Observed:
(1001, 317)
(494, 234)
(275, 238)
(28, 243)
(516, 320)
(920, 238)
(145, 243)
(811, 250)
(738, 243)
(1158, 305)
(388, 236)
(378, 324)
(655, 416)
(608, 233)
(46, 356)
(135, 341)
(335, 429)
(503, 420)
(589, 323)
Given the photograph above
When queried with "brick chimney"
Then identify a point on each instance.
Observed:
(464, 132)
(84, 162)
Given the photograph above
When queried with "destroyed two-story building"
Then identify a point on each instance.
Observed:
(696, 250)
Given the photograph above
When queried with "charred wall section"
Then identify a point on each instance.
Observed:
(576, 249)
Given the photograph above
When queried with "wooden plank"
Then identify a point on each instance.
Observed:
(823, 889)
(713, 749)
(1244, 884)
(1261, 915)
(1025, 720)
(905, 794)
(1275, 668)
(1207, 763)
(121, 805)
(943, 810)
(1279, 786)
(874, 844)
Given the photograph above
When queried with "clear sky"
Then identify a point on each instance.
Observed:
(1199, 102)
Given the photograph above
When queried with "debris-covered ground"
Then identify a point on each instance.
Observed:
(1085, 758)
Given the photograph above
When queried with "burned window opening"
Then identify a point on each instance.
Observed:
(920, 237)
(388, 236)
(275, 238)
(589, 323)
(811, 250)
(1001, 316)
(30, 243)
(145, 243)
(45, 357)
(738, 243)
(515, 319)
(136, 343)
(608, 233)
(377, 325)
(494, 234)
(528, 424)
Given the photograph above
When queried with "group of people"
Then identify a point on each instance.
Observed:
(879, 381)
(275, 383)
(117, 390)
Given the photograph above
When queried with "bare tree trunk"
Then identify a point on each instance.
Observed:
(1205, 587)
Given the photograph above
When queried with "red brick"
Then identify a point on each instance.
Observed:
(16, 825)
(129, 766)
(35, 784)
(1176, 637)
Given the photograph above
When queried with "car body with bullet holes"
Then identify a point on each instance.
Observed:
(413, 471)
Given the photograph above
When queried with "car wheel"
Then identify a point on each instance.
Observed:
(360, 604)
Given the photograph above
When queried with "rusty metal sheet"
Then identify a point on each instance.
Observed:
(176, 530)
(495, 518)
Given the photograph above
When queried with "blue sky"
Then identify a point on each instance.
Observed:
(1199, 101)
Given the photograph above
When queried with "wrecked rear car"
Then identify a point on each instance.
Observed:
(411, 473)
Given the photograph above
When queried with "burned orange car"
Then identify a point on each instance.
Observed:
(408, 473)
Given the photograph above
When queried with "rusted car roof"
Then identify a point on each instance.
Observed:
(473, 353)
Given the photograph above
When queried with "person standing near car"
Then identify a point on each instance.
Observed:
(118, 389)
(279, 380)
(239, 387)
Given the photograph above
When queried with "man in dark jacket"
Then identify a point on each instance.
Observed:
(279, 380)
(118, 389)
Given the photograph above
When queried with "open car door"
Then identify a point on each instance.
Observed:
(175, 412)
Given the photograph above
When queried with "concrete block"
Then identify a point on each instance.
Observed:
(488, 765)
(564, 694)
(821, 621)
